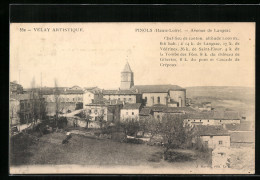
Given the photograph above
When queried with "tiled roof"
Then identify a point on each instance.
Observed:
(105, 102)
(173, 109)
(157, 88)
(211, 130)
(94, 90)
(69, 91)
(61, 90)
(145, 111)
(75, 86)
(179, 109)
(217, 115)
(20, 96)
(173, 102)
(132, 106)
(242, 137)
(119, 92)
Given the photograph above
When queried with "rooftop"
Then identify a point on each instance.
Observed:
(132, 106)
(242, 137)
(211, 131)
(119, 92)
(105, 102)
(127, 68)
(216, 115)
(157, 88)
(145, 111)
(20, 96)
(173, 109)
(61, 90)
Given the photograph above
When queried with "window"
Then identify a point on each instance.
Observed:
(208, 120)
(219, 120)
(220, 142)
(206, 142)
(145, 99)
(124, 99)
(200, 120)
(133, 113)
(158, 117)
(22, 106)
(130, 99)
(119, 99)
(158, 100)
(126, 113)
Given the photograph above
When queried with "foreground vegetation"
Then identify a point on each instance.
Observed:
(81, 150)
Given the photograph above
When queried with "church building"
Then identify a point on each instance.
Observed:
(167, 95)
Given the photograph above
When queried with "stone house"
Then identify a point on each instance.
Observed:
(130, 112)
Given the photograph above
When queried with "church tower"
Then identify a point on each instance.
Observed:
(127, 77)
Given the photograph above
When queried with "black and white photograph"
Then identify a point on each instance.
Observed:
(132, 98)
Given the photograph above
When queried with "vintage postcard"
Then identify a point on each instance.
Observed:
(132, 98)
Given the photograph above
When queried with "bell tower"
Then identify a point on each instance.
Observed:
(127, 77)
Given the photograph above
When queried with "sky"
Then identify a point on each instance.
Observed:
(96, 55)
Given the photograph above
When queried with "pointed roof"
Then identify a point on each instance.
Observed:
(127, 68)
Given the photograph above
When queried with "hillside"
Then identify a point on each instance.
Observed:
(241, 99)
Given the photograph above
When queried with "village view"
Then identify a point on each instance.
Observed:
(151, 125)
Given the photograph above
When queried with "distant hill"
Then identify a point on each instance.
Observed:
(244, 94)
(237, 98)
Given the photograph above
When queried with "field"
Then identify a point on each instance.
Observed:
(80, 150)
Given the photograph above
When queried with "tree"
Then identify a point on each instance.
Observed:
(86, 117)
(33, 103)
(101, 118)
(173, 132)
(57, 101)
(130, 126)
(38, 104)
(149, 124)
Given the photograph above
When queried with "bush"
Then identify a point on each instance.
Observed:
(135, 141)
(156, 157)
(200, 146)
(62, 122)
(172, 156)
